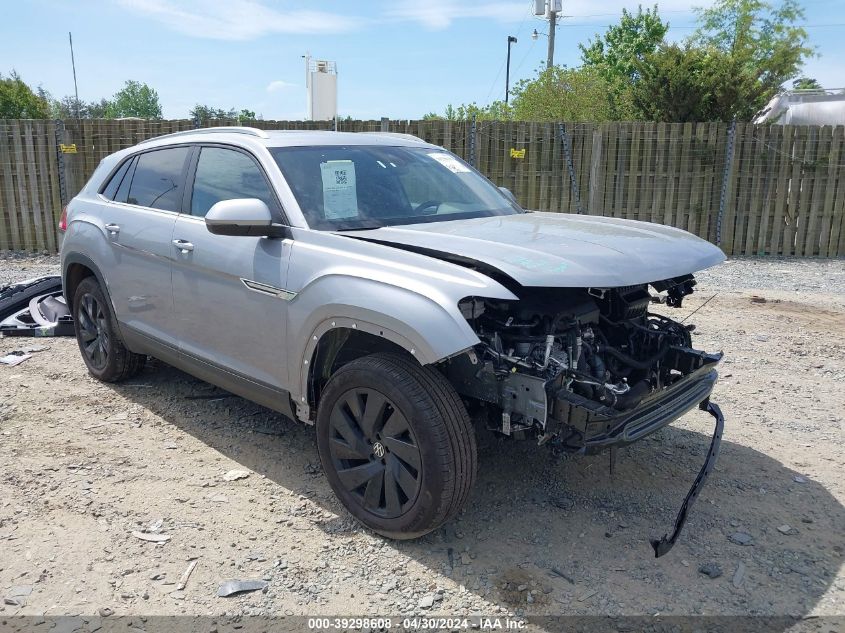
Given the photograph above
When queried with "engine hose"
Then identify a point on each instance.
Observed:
(633, 362)
(633, 396)
(595, 362)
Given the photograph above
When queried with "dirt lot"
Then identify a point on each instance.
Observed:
(83, 464)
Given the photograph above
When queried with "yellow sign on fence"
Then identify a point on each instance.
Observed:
(68, 149)
(517, 153)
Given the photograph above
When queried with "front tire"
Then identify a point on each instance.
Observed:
(396, 444)
(99, 341)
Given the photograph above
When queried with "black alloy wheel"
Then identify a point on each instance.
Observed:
(396, 444)
(93, 331)
(374, 452)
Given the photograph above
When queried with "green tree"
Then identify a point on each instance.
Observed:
(763, 41)
(203, 113)
(688, 83)
(568, 94)
(615, 56)
(69, 108)
(98, 109)
(18, 101)
(495, 111)
(806, 83)
(135, 99)
(616, 53)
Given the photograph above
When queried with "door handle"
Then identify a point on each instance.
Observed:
(114, 229)
(183, 245)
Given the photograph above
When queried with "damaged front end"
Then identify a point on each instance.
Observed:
(584, 370)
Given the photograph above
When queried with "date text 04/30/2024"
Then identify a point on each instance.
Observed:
(417, 623)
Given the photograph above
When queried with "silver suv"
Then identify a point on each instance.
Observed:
(380, 288)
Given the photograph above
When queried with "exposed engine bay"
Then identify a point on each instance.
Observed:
(589, 369)
(573, 364)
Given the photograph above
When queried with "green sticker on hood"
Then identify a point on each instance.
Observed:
(531, 263)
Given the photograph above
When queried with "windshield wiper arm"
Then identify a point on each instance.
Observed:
(360, 228)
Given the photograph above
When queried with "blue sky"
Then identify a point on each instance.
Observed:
(400, 59)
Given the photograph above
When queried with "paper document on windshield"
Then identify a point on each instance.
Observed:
(340, 196)
(450, 162)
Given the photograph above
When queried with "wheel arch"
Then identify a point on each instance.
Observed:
(75, 268)
(340, 340)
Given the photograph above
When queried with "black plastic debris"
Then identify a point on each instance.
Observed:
(35, 307)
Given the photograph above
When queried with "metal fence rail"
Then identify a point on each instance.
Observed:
(754, 190)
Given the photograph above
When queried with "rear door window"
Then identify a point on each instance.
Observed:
(157, 181)
(226, 174)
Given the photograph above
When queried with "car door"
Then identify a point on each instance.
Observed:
(145, 196)
(230, 304)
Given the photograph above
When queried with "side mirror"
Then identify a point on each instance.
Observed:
(242, 216)
(508, 194)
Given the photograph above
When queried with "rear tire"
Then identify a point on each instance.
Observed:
(99, 340)
(396, 444)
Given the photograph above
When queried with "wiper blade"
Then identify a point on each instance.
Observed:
(359, 228)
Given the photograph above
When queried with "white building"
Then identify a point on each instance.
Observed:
(805, 107)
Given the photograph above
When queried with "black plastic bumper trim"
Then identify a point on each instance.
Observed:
(662, 546)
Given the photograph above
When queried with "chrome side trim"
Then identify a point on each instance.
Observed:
(279, 293)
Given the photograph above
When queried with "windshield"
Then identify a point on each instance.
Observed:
(358, 187)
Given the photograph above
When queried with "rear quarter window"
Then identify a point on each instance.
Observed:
(110, 190)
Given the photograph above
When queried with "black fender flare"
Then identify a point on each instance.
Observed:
(84, 260)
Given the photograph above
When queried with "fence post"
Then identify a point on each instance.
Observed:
(595, 165)
(472, 141)
(60, 161)
(729, 156)
(567, 151)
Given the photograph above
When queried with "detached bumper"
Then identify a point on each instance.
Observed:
(592, 427)
(589, 427)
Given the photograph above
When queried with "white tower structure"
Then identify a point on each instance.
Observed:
(321, 88)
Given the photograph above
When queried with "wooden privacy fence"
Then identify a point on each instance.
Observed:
(754, 190)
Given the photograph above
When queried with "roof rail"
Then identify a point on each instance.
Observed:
(409, 137)
(231, 129)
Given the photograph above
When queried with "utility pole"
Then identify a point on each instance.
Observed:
(511, 40)
(549, 9)
(73, 65)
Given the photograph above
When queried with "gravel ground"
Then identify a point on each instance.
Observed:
(85, 464)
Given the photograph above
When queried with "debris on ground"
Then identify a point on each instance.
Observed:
(151, 537)
(16, 596)
(558, 572)
(741, 538)
(236, 474)
(234, 587)
(739, 575)
(710, 569)
(15, 358)
(183, 580)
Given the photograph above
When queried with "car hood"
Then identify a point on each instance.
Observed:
(559, 250)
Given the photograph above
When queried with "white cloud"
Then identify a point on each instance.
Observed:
(251, 19)
(439, 14)
(277, 85)
(239, 19)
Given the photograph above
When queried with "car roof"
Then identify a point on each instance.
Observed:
(286, 138)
